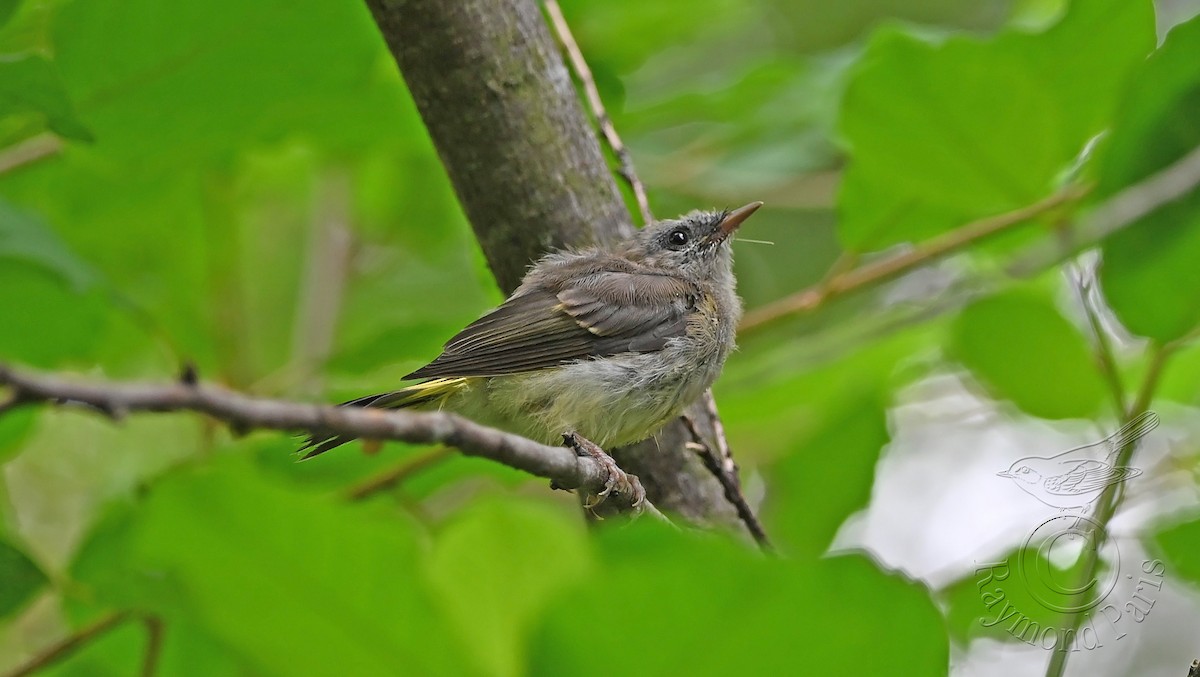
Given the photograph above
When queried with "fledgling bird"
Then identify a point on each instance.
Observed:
(609, 344)
(1076, 478)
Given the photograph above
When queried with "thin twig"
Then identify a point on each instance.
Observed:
(728, 465)
(29, 151)
(154, 639)
(725, 470)
(396, 475)
(884, 269)
(1121, 210)
(1108, 502)
(69, 645)
(323, 282)
(1105, 359)
(243, 413)
(578, 64)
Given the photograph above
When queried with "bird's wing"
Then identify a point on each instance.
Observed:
(1089, 476)
(596, 315)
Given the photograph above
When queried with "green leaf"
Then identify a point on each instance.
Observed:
(943, 133)
(1149, 268)
(532, 553)
(292, 581)
(51, 303)
(45, 320)
(20, 578)
(1025, 351)
(1181, 546)
(677, 605)
(1023, 594)
(1152, 126)
(119, 651)
(24, 237)
(223, 84)
(1181, 382)
(14, 427)
(30, 84)
(826, 478)
(7, 9)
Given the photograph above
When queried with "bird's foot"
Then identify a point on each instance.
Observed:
(616, 481)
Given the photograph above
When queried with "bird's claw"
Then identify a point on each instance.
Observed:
(614, 477)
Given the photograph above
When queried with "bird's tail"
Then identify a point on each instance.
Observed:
(1133, 431)
(432, 392)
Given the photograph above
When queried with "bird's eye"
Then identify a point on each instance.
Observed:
(677, 237)
(1024, 470)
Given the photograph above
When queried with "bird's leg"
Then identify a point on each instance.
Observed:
(614, 476)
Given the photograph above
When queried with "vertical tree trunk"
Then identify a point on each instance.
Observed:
(496, 97)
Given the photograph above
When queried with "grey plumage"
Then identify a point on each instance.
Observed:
(551, 321)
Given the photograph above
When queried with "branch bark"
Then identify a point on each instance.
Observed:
(244, 413)
(499, 104)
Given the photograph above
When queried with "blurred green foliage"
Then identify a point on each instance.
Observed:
(1055, 378)
(247, 186)
(1150, 273)
(1011, 113)
(22, 578)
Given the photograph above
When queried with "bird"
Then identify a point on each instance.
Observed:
(604, 343)
(1076, 478)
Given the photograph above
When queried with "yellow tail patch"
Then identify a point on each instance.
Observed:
(429, 392)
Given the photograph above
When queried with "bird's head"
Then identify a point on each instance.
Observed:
(695, 245)
(1022, 472)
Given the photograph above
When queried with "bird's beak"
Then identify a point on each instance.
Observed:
(1004, 473)
(735, 219)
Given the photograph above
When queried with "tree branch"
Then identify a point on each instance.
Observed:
(722, 466)
(244, 413)
(69, 645)
(499, 104)
(29, 151)
(869, 274)
(1123, 209)
(1119, 211)
(155, 629)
